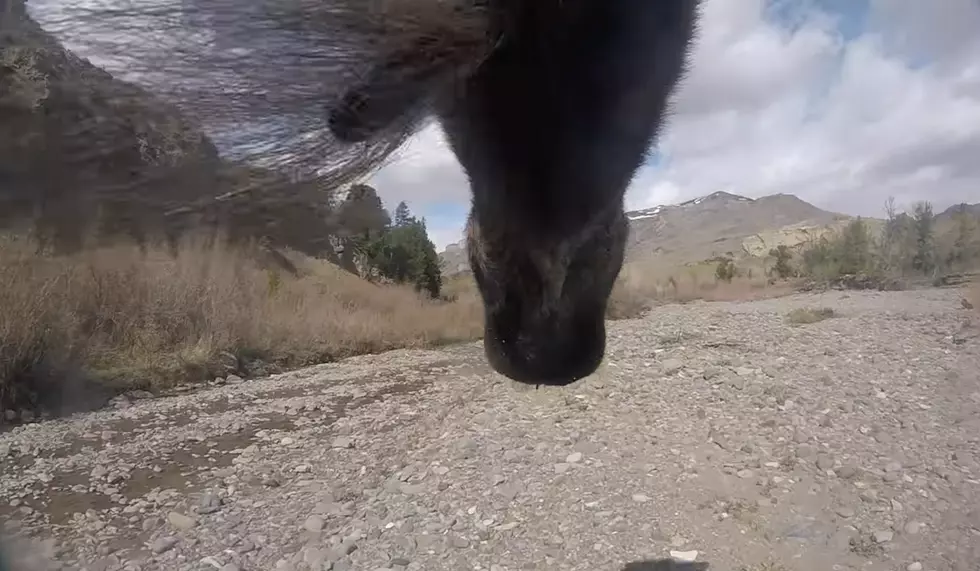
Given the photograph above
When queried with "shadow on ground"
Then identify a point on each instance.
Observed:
(664, 565)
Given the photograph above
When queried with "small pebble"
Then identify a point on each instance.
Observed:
(181, 521)
(883, 536)
(825, 462)
(313, 524)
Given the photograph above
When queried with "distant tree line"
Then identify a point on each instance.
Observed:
(400, 249)
(916, 242)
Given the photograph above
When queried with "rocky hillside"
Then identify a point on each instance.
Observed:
(453, 260)
(972, 210)
(724, 224)
(713, 225)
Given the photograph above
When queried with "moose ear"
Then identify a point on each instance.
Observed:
(397, 88)
(428, 52)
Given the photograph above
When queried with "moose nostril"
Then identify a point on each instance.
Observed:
(546, 359)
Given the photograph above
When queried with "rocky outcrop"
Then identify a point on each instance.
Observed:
(454, 260)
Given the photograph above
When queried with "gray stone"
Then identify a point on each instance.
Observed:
(711, 372)
(847, 472)
(342, 442)
(163, 544)
(209, 503)
(825, 462)
(671, 366)
(845, 512)
(314, 524)
(181, 521)
(883, 536)
(805, 451)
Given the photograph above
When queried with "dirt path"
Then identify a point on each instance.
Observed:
(852, 443)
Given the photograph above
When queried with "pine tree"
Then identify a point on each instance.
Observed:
(361, 215)
(404, 254)
(403, 217)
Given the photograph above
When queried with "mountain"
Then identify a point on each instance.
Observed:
(971, 210)
(715, 225)
(724, 224)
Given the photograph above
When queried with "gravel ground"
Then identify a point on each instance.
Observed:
(715, 432)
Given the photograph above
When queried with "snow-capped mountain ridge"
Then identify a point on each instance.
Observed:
(654, 211)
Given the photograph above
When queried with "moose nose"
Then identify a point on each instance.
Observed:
(553, 352)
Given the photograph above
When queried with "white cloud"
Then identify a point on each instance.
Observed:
(842, 122)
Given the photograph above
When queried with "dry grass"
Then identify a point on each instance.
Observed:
(142, 319)
(127, 318)
(807, 315)
(641, 286)
(974, 296)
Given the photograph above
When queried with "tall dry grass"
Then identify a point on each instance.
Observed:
(642, 285)
(645, 284)
(127, 317)
(135, 318)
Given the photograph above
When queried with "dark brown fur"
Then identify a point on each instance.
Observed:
(550, 126)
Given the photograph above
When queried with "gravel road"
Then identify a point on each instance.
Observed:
(715, 432)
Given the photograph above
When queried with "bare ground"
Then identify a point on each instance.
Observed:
(721, 428)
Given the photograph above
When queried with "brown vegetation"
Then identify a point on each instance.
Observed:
(807, 315)
(136, 319)
(643, 285)
(127, 317)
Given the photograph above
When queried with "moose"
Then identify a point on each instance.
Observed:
(549, 122)
(550, 107)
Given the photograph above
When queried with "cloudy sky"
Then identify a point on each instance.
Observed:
(841, 102)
